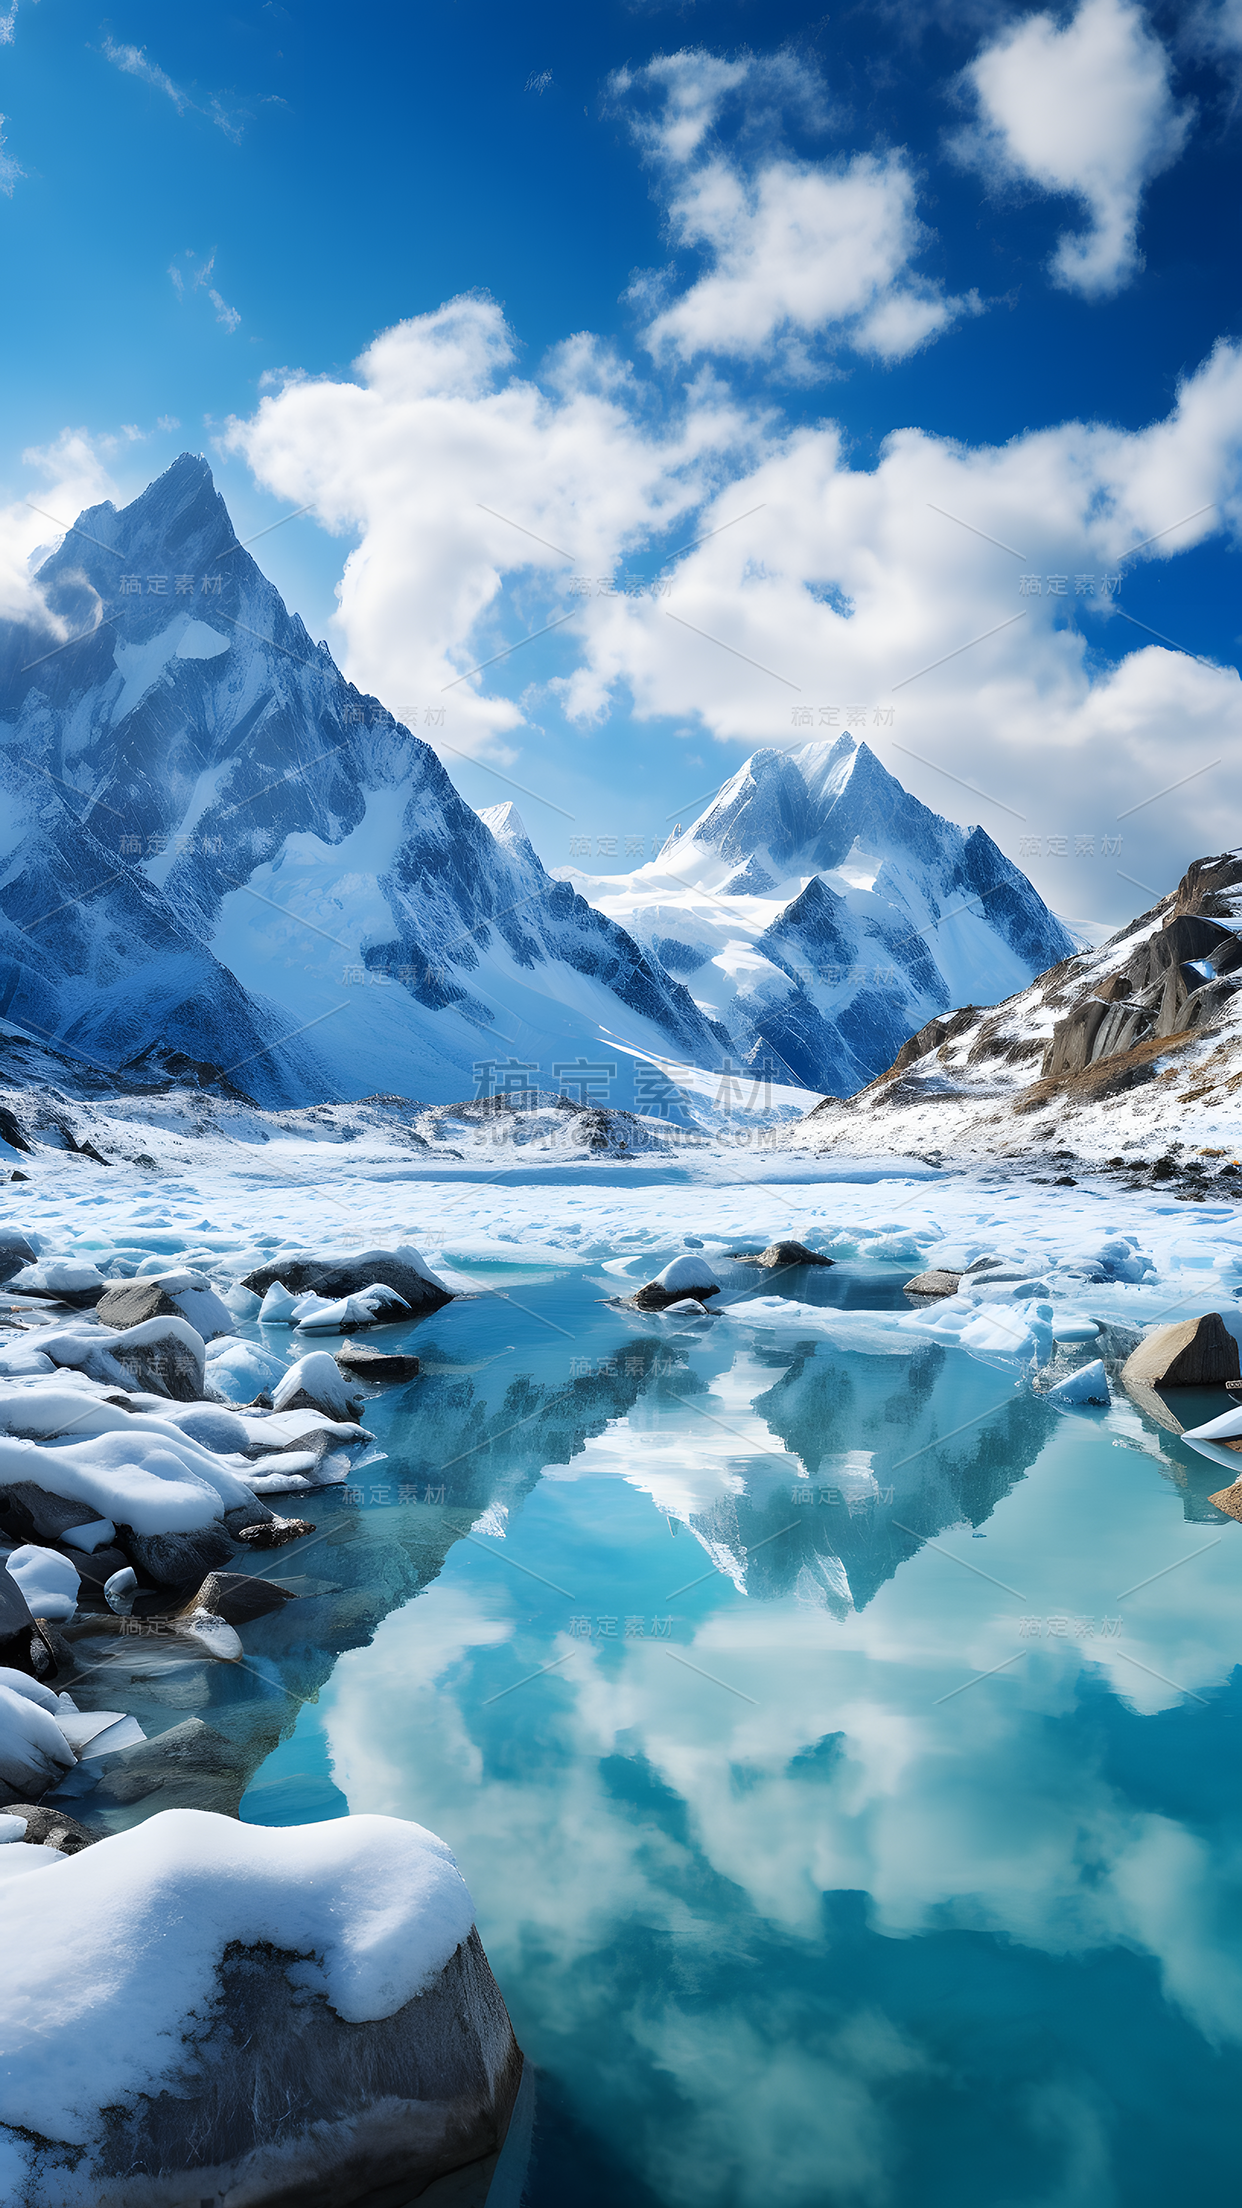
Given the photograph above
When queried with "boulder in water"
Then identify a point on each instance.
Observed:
(302, 2013)
(402, 1269)
(934, 1283)
(1192, 1353)
(686, 1276)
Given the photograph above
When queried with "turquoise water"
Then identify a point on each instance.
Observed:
(785, 1908)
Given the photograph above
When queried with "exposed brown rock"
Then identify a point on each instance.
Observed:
(373, 1364)
(934, 1283)
(1229, 1499)
(1192, 1353)
(779, 1254)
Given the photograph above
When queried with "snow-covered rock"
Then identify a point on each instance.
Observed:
(176, 1294)
(34, 1753)
(48, 1580)
(163, 1356)
(316, 1383)
(404, 1271)
(690, 1275)
(198, 2007)
(373, 1306)
(62, 1280)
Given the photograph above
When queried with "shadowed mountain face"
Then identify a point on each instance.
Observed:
(823, 915)
(215, 843)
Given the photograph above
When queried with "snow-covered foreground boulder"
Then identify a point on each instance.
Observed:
(197, 2009)
(404, 1270)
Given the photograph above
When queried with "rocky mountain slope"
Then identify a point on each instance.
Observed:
(215, 844)
(822, 915)
(1115, 1053)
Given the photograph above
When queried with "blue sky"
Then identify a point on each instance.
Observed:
(849, 276)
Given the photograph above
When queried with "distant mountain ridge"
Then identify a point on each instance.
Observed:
(822, 915)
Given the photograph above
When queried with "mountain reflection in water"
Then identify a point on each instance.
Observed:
(847, 1789)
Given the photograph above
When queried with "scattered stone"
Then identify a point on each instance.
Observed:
(191, 1766)
(10, 1132)
(274, 1532)
(26, 1643)
(19, 1176)
(30, 1513)
(179, 1559)
(1192, 1353)
(236, 1597)
(784, 1253)
(15, 1252)
(50, 1828)
(934, 1283)
(374, 1364)
(401, 1269)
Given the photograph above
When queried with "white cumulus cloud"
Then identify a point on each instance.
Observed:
(1085, 109)
(487, 505)
(799, 253)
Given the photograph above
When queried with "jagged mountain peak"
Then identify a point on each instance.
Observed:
(218, 845)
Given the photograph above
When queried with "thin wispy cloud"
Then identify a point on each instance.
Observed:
(9, 170)
(134, 61)
(8, 25)
(228, 316)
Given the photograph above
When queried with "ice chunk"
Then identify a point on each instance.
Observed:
(1224, 1428)
(1068, 1327)
(55, 1276)
(278, 1306)
(1088, 1385)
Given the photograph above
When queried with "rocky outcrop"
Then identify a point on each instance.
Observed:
(778, 1255)
(401, 1270)
(1193, 1353)
(373, 1364)
(179, 1559)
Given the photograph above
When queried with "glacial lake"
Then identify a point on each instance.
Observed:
(878, 1846)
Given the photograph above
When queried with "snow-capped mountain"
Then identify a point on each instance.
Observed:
(216, 844)
(822, 915)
